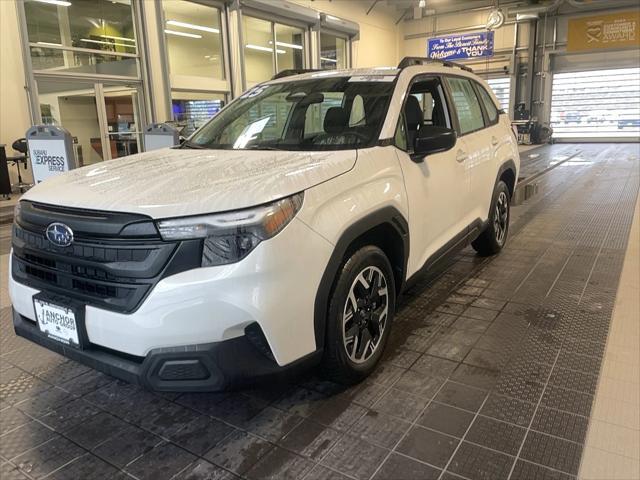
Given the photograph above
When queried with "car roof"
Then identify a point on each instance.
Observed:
(347, 72)
(411, 70)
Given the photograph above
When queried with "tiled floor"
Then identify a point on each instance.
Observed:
(612, 447)
(490, 373)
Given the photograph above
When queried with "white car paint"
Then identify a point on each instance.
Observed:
(175, 182)
(276, 284)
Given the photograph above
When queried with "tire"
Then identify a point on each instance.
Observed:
(344, 359)
(494, 237)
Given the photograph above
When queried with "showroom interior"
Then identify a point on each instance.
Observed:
(520, 365)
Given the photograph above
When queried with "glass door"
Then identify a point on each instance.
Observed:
(73, 105)
(122, 119)
(105, 120)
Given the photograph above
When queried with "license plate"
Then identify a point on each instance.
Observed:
(57, 322)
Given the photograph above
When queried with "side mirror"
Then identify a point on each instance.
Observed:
(431, 139)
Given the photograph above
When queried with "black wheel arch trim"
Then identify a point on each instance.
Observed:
(386, 216)
(508, 165)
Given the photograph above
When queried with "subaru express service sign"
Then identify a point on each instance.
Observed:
(50, 151)
(466, 45)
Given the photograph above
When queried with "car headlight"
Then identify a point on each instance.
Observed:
(230, 236)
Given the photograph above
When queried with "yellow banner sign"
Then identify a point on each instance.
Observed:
(614, 30)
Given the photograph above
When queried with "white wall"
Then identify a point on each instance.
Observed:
(14, 106)
(379, 40)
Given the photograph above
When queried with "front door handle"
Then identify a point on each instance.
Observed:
(461, 156)
(494, 141)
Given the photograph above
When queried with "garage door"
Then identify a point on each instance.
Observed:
(500, 87)
(596, 104)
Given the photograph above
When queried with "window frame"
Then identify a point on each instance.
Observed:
(167, 86)
(337, 34)
(273, 19)
(401, 118)
(455, 112)
(224, 41)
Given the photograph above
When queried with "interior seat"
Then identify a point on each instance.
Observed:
(336, 123)
(414, 117)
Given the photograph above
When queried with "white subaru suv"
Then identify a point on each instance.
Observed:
(279, 235)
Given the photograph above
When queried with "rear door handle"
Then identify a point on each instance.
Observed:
(461, 156)
(494, 141)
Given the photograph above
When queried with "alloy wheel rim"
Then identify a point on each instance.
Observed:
(365, 313)
(501, 217)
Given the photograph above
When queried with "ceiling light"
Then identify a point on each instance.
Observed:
(51, 44)
(182, 34)
(263, 49)
(284, 44)
(62, 3)
(106, 43)
(124, 39)
(325, 59)
(422, 4)
(176, 23)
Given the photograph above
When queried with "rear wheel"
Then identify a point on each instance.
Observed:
(361, 310)
(494, 237)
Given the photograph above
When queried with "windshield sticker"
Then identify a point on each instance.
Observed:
(372, 78)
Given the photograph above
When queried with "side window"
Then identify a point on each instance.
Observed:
(429, 97)
(357, 112)
(427, 103)
(400, 137)
(466, 104)
(489, 106)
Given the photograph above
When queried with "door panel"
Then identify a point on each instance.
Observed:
(435, 184)
(434, 191)
(496, 140)
(477, 143)
(478, 172)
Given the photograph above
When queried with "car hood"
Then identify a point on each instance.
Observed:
(176, 182)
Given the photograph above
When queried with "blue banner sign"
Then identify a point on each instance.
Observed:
(466, 45)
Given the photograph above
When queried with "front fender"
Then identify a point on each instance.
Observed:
(370, 195)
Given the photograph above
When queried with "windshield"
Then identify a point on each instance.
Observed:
(319, 114)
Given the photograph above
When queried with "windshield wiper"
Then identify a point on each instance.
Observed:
(188, 144)
(261, 147)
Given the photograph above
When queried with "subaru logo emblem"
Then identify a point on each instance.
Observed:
(59, 234)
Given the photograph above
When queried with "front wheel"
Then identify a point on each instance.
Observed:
(361, 310)
(494, 237)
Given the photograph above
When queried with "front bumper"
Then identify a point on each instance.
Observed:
(204, 367)
(270, 287)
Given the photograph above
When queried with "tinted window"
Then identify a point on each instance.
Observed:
(466, 105)
(489, 106)
(300, 115)
(430, 95)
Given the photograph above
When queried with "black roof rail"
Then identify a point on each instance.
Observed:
(410, 61)
(293, 71)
